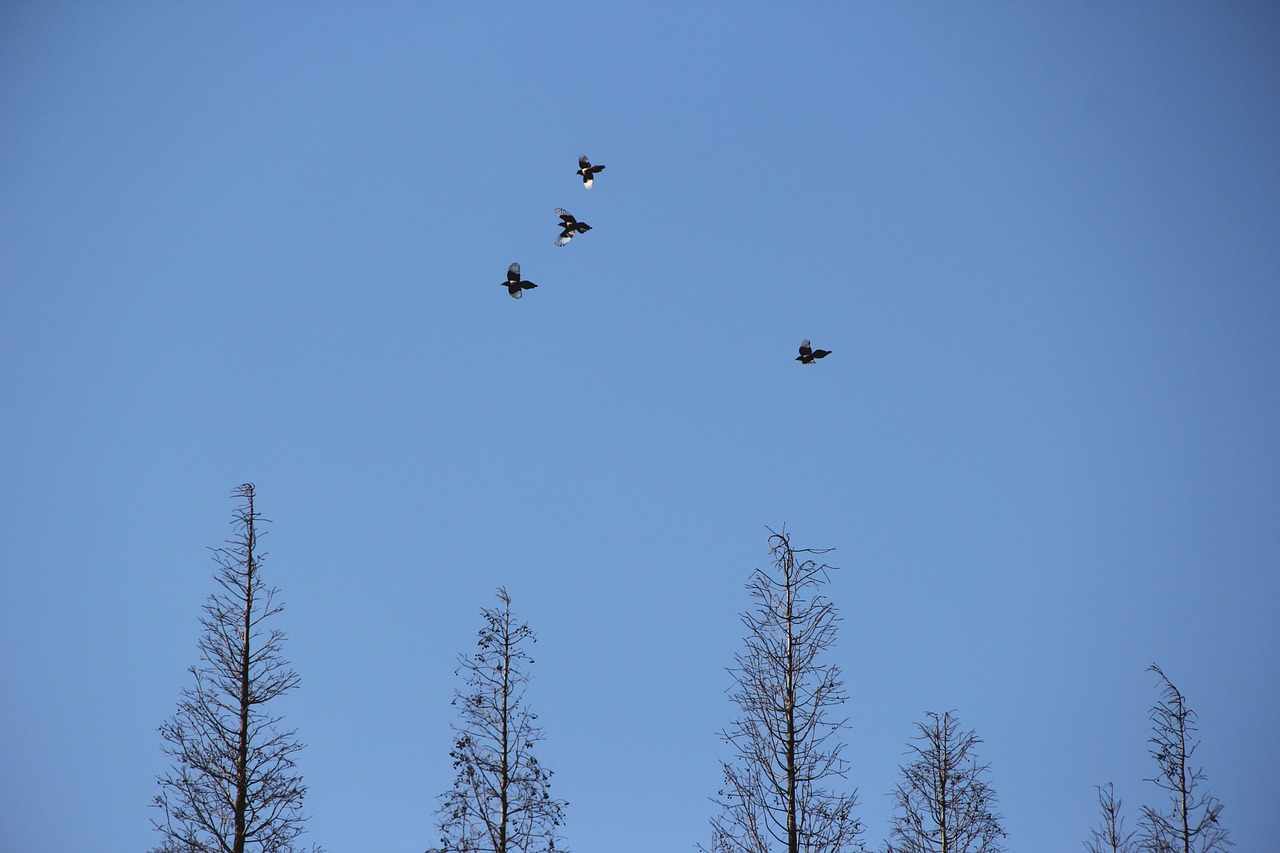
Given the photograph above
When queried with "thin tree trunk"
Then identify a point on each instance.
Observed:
(942, 791)
(506, 731)
(1184, 789)
(242, 754)
(793, 830)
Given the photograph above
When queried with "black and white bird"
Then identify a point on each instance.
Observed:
(515, 285)
(808, 354)
(587, 171)
(569, 227)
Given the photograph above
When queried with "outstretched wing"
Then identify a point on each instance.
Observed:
(565, 237)
(566, 217)
(805, 351)
(513, 272)
(584, 163)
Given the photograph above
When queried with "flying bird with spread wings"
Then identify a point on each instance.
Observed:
(569, 227)
(515, 285)
(808, 355)
(587, 171)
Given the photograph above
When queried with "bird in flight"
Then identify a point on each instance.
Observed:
(515, 286)
(569, 226)
(808, 354)
(587, 171)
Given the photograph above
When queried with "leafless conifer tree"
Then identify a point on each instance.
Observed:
(1110, 837)
(233, 787)
(774, 794)
(943, 804)
(501, 800)
(1191, 823)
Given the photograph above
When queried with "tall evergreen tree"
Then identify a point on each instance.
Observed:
(501, 799)
(944, 805)
(775, 794)
(233, 786)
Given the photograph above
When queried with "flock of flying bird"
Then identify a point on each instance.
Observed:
(570, 227)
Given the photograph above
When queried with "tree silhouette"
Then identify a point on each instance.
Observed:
(501, 800)
(785, 739)
(233, 787)
(1110, 837)
(943, 803)
(1191, 822)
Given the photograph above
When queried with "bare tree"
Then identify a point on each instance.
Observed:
(500, 801)
(1191, 822)
(1110, 837)
(233, 787)
(774, 790)
(943, 804)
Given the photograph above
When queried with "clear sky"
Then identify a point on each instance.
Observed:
(264, 242)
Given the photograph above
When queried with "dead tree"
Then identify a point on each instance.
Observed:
(500, 801)
(1190, 822)
(1110, 836)
(943, 804)
(233, 787)
(785, 739)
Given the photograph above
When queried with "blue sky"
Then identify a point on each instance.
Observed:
(246, 242)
